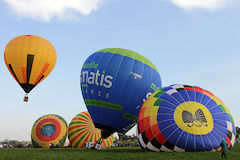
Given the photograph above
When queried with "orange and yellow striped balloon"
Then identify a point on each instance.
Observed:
(81, 130)
(29, 59)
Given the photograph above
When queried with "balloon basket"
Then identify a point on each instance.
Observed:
(25, 99)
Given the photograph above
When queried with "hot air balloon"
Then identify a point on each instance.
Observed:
(82, 130)
(29, 59)
(49, 129)
(184, 118)
(114, 83)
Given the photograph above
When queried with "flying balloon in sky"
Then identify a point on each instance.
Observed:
(184, 118)
(82, 130)
(29, 59)
(49, 129)
(115, 82)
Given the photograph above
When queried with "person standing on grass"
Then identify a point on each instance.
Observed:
(224, 148)
(51, 146)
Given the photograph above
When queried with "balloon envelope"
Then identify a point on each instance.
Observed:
(49, 129)
(81, 130)
(184, 118)
(114, 83)
(29, 59)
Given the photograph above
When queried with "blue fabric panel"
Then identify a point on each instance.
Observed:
(48, 130)
(234, 129)
(216, 109)
(214, 142)
(178, 96)
(161, 118)
(149, 76)
(218, 134)
(164, 110)
(221, 116)
(169, 98)
(173, 138)
(218, 138)
(199, 143)
(205, 100)
(211, 104)
(190, 143)
(182, 140)
(192, 95)
(207, 143)
(185, 95)
(168, 105)
(165, 89)
(167, 132)
(220, 122)
(123, 72)
(221, 130)
(199, 97)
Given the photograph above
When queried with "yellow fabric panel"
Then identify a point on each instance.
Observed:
(226, 108)
(192, 107)
(209, 94)
(17, 50)
(62, 133)
(153, 120)
(154, 110)
(150, 102)
(147, 112)
(217, 100)
(83, 131)
(69, 132)
(108, 142)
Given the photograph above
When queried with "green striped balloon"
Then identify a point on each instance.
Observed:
(82, 130)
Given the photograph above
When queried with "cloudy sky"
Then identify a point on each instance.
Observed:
(193, 42)
(45, 10)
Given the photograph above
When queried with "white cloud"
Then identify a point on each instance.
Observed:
(46, 9)
(204, 4)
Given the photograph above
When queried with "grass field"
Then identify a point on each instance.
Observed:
(113, 153)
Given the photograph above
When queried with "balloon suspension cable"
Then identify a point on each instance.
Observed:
(25, 98)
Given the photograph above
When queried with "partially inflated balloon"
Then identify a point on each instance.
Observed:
(184, 118)
(82, 130)
(49, 129)
(29, 59)
(114, 83)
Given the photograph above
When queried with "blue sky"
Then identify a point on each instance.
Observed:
(193, 42)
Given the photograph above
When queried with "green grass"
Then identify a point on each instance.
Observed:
(113, 153)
